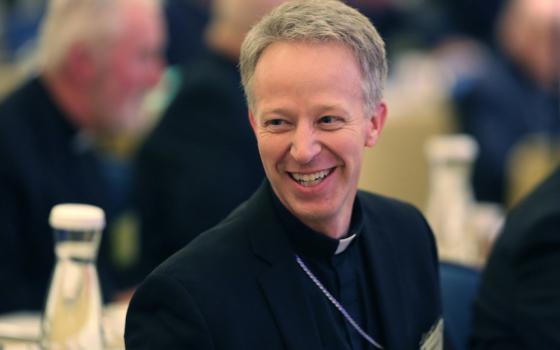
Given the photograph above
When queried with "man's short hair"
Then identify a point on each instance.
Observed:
(93, 23)
(318, 21)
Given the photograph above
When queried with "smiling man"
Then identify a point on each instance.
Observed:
(308, 262)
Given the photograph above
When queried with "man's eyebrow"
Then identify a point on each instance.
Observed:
(321, 109)
(277, 110)
(331, 108)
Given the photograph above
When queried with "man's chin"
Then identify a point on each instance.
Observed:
(312, 212)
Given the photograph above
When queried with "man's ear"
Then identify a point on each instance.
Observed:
(252, 121)
(80, 63)
(375, 123)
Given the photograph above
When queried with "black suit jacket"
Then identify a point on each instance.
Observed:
(238, 286)
(518, 306)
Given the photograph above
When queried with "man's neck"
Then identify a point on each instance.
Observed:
(336, 229)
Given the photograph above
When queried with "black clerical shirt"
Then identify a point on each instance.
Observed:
(345, 275)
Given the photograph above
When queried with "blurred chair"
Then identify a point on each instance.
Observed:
(530, 161)
(397, 166)
(459, 285)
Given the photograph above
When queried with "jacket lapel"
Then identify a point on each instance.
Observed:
(381, 258)
(279, 282)
(288, 304)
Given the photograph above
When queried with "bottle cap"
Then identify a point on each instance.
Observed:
(76, 217)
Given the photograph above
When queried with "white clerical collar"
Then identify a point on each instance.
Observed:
(344, 243)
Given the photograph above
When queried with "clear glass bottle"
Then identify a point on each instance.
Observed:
(72, 318)
(450, 200)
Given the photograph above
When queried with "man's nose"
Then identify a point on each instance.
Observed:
(305, 146)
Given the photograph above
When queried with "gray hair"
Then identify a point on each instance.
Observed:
(319, 21)
(67, 22)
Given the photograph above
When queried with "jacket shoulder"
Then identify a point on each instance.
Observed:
(18, 111)
(402, 224)
(212, 252)
(390, 210)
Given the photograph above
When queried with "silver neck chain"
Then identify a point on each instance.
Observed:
(336, 304)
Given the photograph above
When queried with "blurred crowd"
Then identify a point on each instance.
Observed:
(176, 154)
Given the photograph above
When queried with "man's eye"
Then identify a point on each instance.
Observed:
(276, 125)
(275, 122)
(327, 119)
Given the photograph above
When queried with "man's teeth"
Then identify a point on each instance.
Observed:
(310, 179)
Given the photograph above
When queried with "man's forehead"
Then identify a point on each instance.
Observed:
(324, 58)
(306, 63)
(304, 44)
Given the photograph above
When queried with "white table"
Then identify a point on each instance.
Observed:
(22, 330)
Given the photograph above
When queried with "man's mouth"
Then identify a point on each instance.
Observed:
(308, 180)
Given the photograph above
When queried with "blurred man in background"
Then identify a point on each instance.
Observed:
(516, 93)
(97, 60)
(201, 161)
